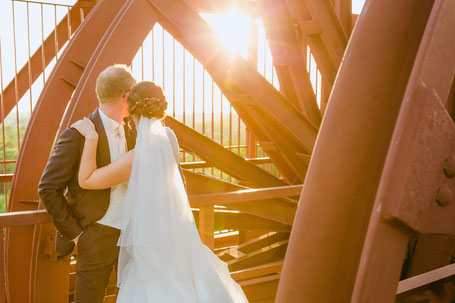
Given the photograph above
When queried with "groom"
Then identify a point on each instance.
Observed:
(91, 219)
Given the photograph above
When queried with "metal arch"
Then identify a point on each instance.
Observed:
(41, 132)
(384, 72)
(278, 210)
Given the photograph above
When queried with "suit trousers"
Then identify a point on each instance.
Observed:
(97, 255)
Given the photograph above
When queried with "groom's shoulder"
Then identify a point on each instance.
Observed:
(70, 134)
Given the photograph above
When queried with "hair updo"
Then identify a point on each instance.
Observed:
(147, 99)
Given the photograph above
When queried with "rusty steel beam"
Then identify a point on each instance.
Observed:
(414, 195)
(35, 217)
(222, 158)
(227, 198)
(279, 210)
(267, 254)
(288, 133)
(336, 203)
(198, 183)
(421, 283)
(20, 218)
(272, 118)
(204, 164)
(343, 9)
(323, 32)
(31, 161)
(241, 221)
(257, 271)
(262, 289)
(252, 245)
(288, 58)
(6, 178)
(223, 241)
(428, 252)
(28, 74)
(283, 156)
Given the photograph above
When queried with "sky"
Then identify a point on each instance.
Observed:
(357, 6)
(42, 20)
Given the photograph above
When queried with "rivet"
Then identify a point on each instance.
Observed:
(444, 195)
(449, 166)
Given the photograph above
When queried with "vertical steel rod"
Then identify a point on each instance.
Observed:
(173, 77)
(5, 186)
(55, 33)
(15, 76)
(29, 59)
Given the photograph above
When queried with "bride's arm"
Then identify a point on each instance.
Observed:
(105, 177)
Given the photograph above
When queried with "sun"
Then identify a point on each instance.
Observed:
(232, 28)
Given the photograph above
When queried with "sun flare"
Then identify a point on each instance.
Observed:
(232, 28)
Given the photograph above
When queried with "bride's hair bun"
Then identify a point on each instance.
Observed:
(147, 99)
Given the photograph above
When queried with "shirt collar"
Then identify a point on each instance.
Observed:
(108, 123)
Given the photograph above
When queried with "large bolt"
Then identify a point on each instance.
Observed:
(444, 195)
(449, 166)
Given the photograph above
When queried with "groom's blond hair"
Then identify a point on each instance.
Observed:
(114, 82)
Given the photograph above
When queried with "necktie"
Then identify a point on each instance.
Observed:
(120, 138)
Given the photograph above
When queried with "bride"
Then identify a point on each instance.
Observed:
(162, 258)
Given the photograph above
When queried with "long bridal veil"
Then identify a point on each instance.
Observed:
(162, 258)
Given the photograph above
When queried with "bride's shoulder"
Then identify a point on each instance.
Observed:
(172, 137)
(170, 132)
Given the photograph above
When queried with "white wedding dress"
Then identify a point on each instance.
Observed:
(162, 258)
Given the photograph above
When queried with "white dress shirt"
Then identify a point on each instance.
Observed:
(115, 133)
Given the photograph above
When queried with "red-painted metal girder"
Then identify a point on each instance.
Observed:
(263, 134)
(224, 159)
(273, 119)
(421, 286)
(343, 9)
(417, 185)
(228, 220)
(323, 32)
(23, 243)
(34, 68)
(334, 212)
(279, 210)
(288, 58)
